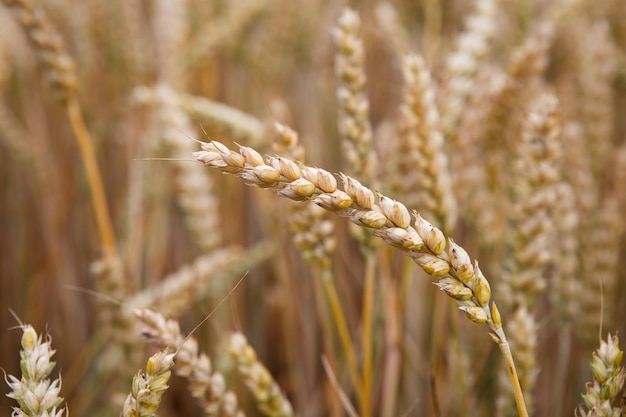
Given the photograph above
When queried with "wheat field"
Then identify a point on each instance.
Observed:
(312, 208)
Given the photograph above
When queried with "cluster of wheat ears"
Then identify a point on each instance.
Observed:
(477, 146)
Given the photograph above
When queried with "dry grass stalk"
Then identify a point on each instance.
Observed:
(148, 387)
(463, 64)
(206, 386)
(269, 398)
(36, 395)
(602, 394)
(426, 245)
(424, 177)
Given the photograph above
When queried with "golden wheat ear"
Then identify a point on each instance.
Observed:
(34, 392)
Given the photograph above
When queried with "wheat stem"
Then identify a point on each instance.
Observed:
(98, 196)
(368, 329)
(517, 388)
(342, 327)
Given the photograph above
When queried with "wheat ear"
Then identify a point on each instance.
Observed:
(206, 386)
(462, 65)
(269, 398)
(425, 179)
(36, 395)
(608, 381)
(439, 257)
(148, 387)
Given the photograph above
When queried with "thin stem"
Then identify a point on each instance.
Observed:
(334, 406)
(564, 348)
(342, 327)
(368, 330)
(519, 396)
(393, 338)
(98, 197)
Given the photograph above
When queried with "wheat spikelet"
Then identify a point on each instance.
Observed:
(531, 242)
(206, 386)
(171, 33)
(174, 294)
(608, 381)
(193, 188)
(354, 124)
(313, 231)
(424, 176)
(224, 30)
(388, 21)
(462, 65)
(600, 257)
(148, 387)
(36, 395)
(564, 283)
(57, 64)
(257, 378)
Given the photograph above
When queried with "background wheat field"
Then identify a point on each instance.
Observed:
(499, 124)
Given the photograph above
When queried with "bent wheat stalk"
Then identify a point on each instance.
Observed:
(437, 255)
